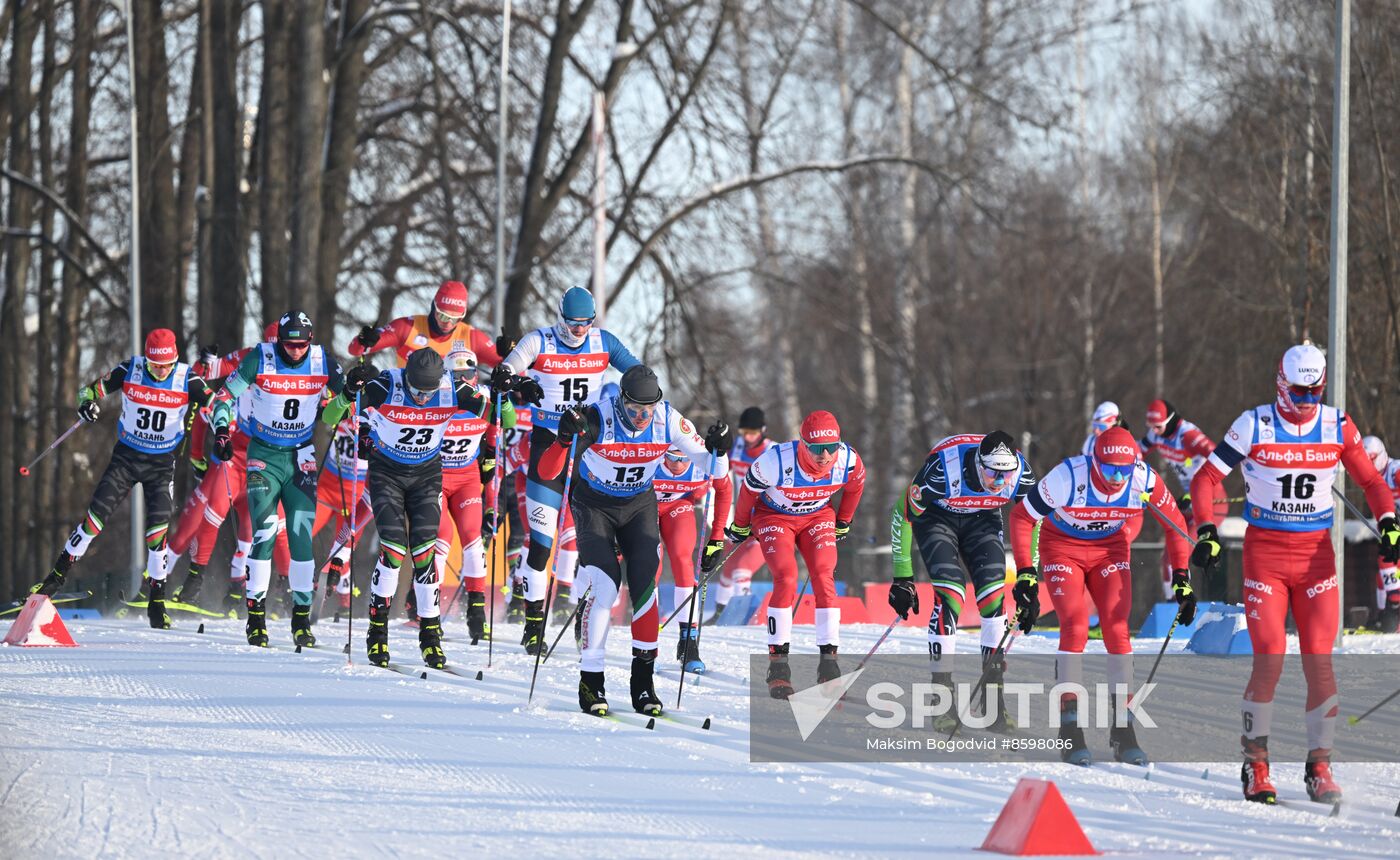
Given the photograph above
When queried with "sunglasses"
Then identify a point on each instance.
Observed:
(298, 345)
(1101, 426)
(420, 396)
(638, 411)
(1305, 393)
(994, 480)
(675, 458)
(1117, 473)
(823, 448)
(573, 324)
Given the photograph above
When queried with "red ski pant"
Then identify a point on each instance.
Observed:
(461, 509)
(1072, 567)
(1282, 571)
(207, 507)
(813, 535)
(334, 496)
(678, 537)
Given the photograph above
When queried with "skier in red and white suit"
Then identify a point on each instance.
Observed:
(1387, 577)
(680, 485)
(221, 486)
(785, 502)
(1091, 505)
(1184, 448)
(737, 575)
(1289, 451)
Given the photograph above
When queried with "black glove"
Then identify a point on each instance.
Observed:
(223, 443)
(502, 380)
(571, 423)
(1206, 555)
(209, 354)
(1185, 596)
(505, 344)
(527, 390)
(368, 337)
(714, 552)
(488, 524)
(719, 438)
(737, 533)
(1027, 597)
(904, 597)
(364, 442)
(843, 530)
(89, 410)
(1390, 539)
(358, 377)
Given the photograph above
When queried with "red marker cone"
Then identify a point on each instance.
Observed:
(1037, 821)
(39, 624)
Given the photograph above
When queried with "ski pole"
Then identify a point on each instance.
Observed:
(1351, 721)
(549, 590)
(992, 661)
(491, 583)
(1176, 619)
(567, 622)
(24, 470)
(703, 578)
(878, 643)
(350, 565)
(704, 581)
(1356, 512)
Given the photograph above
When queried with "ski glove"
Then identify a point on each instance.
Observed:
(714, 553)
(571, 423)
(904, 597)
(1206, 555)
(199, 465)
(719, 439)
(1390, 539)
(528, 391)
(843, 530)
(223, 443)
(488, 524)
(737, 533)
(1185, 596)
(89, 410)
(505, 345)
(358, 377)
(368, 337)
(1027, 597)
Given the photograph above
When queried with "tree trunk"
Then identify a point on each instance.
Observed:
(902, 412)
(341, 134)
(191, 148)
(225, 244)
(274, 155)
(41, 524)
(308, 137)
(14, 359)
(162, 302)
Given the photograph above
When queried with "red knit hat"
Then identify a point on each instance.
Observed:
(160, 347)
(819, 428)
(451, 299)
(1116, 447)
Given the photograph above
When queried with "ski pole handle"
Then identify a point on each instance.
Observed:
(24, 470)
(1356, 512)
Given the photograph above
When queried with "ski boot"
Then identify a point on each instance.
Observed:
(1317, 777)
(827, 668)
(533, 637)
(995, 667)
(430, 642)
(714, 619)
(189, 590)
(1390, 615)
(779, 672)
(515, 610)
(688, 650)
(562, 608)
(644, 698)
(301, 627)
(235, 604)
(256, 628)
(1123, 740)
(53, 582)
(592, 698)
(1076, 752)
(377, 639)
(476, 616)
(946, 722)
(155, 606)
(1254, 774)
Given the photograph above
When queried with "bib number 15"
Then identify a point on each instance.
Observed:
(575, 389)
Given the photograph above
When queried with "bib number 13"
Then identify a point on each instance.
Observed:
(630, 474)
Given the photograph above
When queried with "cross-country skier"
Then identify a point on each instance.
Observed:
(618, 445)
(1105, 416)
(1289, 451)
(157, 389)
(952, 510)
(747, 559)
(681, 484)
(1184, 448)
(786, 501)
(468, 501)
(1089, 503)
(444, 330)
(1387, 577)
(408, 410)
(286, 380)
(342, 500)
(565, 363)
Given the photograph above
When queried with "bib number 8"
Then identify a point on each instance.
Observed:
(291, 409)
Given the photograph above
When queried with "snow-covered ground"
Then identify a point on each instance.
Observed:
(145, 743)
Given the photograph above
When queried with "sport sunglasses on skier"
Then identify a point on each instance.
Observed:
(1101, 426)
(638, 413)
(1117, 473)
(1305, 393)
(295, 347)
(160, 370)
(994, 481)
(823, 448)
(419, 397)
(447, 322)
(577, 327)
(676, 458)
